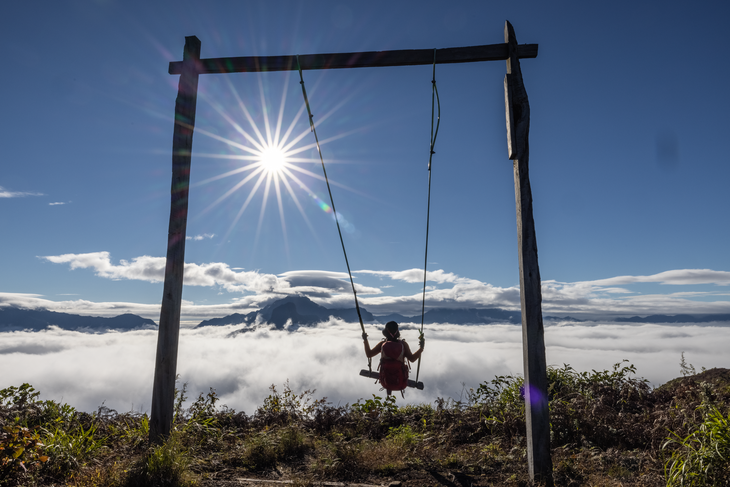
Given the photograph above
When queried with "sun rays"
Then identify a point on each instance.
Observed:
(271, 157)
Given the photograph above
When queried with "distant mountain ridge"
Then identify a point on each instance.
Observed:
(13, 318)
(303, 311)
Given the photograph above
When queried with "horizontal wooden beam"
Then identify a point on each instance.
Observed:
(371, 59)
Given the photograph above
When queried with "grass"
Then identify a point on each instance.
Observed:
(607, 428)
(701, 458)
(167, 464)
(68, 448)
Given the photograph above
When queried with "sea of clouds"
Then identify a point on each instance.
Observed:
(86, 370)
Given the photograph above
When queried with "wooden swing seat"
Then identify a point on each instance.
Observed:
(375, 375)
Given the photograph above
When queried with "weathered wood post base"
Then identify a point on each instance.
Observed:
(163, 389)
(533, 344)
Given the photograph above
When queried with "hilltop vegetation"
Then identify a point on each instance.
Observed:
(608, 428)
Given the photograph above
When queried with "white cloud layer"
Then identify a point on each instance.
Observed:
(116, 368)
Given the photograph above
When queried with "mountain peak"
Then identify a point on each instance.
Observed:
(298, 308)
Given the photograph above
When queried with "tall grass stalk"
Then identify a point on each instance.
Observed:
(702, 457)
(68, 449)
(164, 465)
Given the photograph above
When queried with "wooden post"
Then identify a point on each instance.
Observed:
(537, 416)
(163, 389)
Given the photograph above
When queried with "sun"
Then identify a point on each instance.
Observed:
(273, 160)
(270, 157)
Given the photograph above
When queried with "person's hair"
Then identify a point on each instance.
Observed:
(391, 332)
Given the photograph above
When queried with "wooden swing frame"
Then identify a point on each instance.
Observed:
(517, 113)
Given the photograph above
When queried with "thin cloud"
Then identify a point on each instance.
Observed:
(200, 237)
(4, 193)
(56, 203)
(338, 282)
(674, 277)
(415, 275)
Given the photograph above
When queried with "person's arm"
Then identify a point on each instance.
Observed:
(368, 352)
(412, 357)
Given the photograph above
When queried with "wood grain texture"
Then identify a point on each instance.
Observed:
(412, 57)
(533, 343)
(510, 117)
(163, 389)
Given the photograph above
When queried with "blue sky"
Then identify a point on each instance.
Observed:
(629, 159)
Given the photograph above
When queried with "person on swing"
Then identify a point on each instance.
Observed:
(393, 354)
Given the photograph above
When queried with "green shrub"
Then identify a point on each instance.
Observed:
(132, 429)
(165, 465)
(20, 405)
(290, 406)
(21, 450)
(292, 444)
(503, 392)
(68, 449)
(199, 424)
(18, 397)
(376, 405)
(268, 448)
(341, 459)
(702, 457)
(403, 436)
(565, 382)
(596, 408)
(259, 452)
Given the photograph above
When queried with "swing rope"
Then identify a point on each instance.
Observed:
(332, 201)
(434, 95)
